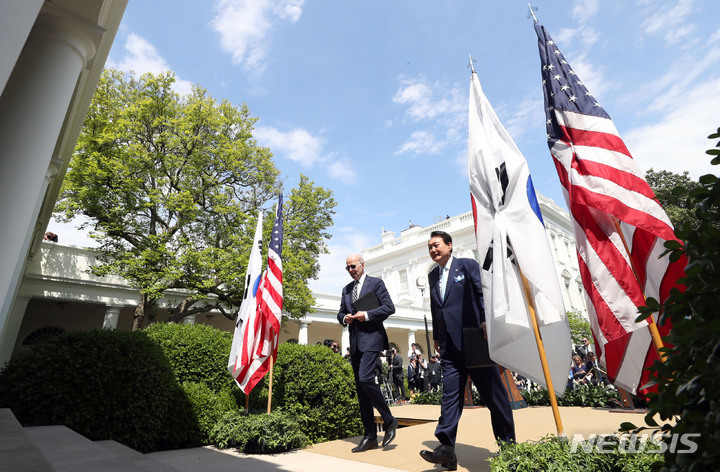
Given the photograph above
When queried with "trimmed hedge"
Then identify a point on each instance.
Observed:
(208, 406)
(197, 353)
(103, 385)
(317, 388)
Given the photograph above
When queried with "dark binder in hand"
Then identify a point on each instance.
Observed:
(475, 348)
(366, 302)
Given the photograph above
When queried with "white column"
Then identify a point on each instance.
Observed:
(303, 333)
(112, 315)
(345, 339)
(33, 107)
(189, 320)
(411, 340)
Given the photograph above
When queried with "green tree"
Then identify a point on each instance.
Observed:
(579, 327)
(675, 203)
(171, 186)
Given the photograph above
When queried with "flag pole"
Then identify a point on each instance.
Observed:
(654, 333)
(270, 383)
(543, 357)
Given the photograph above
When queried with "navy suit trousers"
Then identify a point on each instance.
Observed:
(369, 394)
(489, 384)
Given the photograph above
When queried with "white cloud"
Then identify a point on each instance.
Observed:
(566, 38)
(428, 101)
(421, 142)
(669, 21)
(585, 9)
(442, 105)
(342, 170)
(297, 145)
(678, 142)
(244, 26)
(593, 77)
(142, 57)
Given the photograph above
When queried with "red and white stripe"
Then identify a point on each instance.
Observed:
(602, 184)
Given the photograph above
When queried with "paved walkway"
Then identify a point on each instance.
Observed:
(475, 443)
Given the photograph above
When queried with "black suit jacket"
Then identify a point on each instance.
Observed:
(462, 305)
(367, 335)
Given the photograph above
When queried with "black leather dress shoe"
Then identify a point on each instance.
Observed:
(443, 455)
(365, 445)
(390, 432)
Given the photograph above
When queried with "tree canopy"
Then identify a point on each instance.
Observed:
(675, 203)
(172, 186)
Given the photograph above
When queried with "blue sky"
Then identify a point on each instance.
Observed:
(369, 98)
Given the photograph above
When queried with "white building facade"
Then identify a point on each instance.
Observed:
(60, 294)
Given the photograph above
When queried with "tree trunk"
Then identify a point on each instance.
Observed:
(140, 312)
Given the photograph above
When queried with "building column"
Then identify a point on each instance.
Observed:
(303, 333)
(33, 107)
(411, 339)
(112, 315)
(345, 339)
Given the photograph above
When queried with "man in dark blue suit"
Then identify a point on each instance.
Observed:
(456, 303)
(367, 339)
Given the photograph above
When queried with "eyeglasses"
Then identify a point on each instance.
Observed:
(351, 266)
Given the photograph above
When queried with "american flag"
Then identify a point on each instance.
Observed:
(270, 301)
(262, 327)
(603, 185)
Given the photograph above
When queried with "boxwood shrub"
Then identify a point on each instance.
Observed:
(103, 385)
(258, 434)
(208, 406)
(316, 387)
(197, 353)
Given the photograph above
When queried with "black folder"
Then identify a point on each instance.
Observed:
(367, 302)
(475, 347)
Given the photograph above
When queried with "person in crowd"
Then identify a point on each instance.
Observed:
(578, 370)
(583, 349)
(434, 374)
(592, 367)
(420, 373)
(367, 339)
(412, 366)
(397, 376)
(50, 237)
(455, 303)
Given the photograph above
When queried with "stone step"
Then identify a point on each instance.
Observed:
(18, 453)
(69, 451)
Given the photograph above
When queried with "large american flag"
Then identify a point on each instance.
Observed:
(261, 329)
(603, 185)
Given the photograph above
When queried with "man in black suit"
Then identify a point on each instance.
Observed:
(456, 303)
(367, 339)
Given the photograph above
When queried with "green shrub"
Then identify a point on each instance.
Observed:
(258, 434)
(427, 398)
(317, 388)
(582, 395)
(208, 406)
(103, 385)
(197, 353)
(553, 454)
